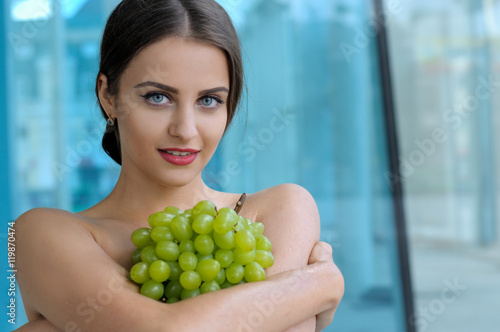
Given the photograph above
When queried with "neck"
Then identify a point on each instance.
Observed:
(135, 198)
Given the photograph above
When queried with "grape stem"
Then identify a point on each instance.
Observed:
(240, 202)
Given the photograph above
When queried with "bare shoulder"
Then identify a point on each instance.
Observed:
(284, 199)
(40, 221)
(291, 221)
(45, 214)
(56, 259)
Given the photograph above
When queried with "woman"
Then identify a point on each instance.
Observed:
(169, 83)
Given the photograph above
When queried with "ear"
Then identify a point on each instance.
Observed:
(106, 99)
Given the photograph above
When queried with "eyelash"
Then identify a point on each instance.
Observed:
(149, 95)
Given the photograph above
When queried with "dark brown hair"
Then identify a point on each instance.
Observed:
(135, 24)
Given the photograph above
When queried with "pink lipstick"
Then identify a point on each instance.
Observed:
(179, 157)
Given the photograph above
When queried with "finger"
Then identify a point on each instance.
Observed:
(321, 251)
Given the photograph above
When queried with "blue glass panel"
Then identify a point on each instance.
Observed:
(313, 66)
(446, 66)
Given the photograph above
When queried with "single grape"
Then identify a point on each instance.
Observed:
(224, 241)
(209, 286)
(190, 280)
(235, 273)
(173, 210)
(173, 289)
(159, 270)
(186, 293)
(141, 237)
(206, 207)
(204, 244)
(152, 289)
(221, 276)
(175, 271)
(162, 233)
(224, 257)
(257, 228)
(181, 228)
(245, 240)
(148, 254)
(254, 272)
(168, 250)
(264, 258)
(136, 256)
(187, 245)
(247, 223)
(139, 273)
(228, 210)
(208, 269)
(262, 242)
(188, 261)
(203, 223)
(160, 218)
(243, 257)
(224, 222)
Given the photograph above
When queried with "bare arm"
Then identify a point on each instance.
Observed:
(292, 223)
(270, 301)
(57, 258)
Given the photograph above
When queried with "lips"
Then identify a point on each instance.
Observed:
(178, 156)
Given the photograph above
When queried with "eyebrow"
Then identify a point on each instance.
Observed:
(176, 91)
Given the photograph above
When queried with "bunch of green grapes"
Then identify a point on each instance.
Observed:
(200, 250)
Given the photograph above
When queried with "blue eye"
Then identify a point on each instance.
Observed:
(208, 101)
(156, 98)
(211, 102)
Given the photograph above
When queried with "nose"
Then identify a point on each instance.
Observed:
(183, 123)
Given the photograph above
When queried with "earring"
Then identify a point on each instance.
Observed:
(110, 122)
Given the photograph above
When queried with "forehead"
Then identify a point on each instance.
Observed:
(179, 62)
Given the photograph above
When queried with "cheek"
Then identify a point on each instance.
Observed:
(211, 136)
(138, 132)
(216, 131)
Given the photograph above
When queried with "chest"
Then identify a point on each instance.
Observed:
(115, 241)
(114, 238)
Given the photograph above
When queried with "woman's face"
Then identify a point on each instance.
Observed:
(171, 109)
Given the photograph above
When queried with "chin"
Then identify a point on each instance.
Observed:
(176, 183)
(176, 178)
(170, 176)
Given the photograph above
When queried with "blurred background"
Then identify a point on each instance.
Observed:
(386, 111)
